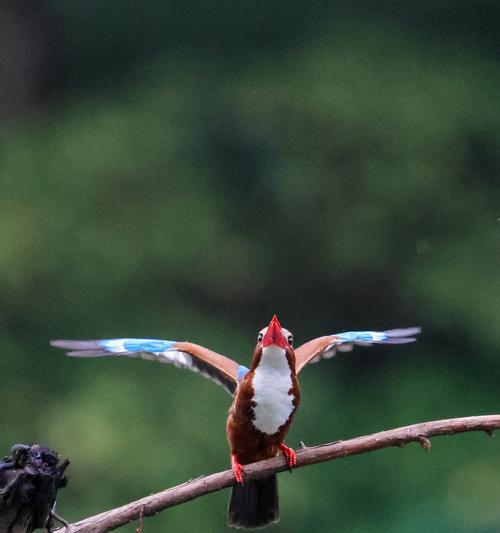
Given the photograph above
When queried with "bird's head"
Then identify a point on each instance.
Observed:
(274, 347)
(275, 335)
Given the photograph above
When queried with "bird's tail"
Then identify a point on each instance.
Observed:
(254, 504)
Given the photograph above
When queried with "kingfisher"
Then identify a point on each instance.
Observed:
(265, 397)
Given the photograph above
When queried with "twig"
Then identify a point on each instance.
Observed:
(190, 490)
(139, 525)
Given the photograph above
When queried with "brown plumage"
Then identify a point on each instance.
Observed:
(246, 442)
(255, 503)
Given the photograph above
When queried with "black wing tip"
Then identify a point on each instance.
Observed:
(402, 335)
(403, 332)
(58, 343)
(80, 348)
(90, 353)
(399, 340)
(75, 345)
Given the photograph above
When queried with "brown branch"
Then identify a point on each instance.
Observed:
(192, 489)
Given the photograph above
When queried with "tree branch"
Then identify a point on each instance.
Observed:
(192, 489)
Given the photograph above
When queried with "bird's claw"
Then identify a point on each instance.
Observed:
(290, 455)
(237, 470)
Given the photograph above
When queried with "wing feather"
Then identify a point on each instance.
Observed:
(217, 367)
(328, 346)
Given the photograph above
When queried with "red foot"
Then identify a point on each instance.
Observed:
(237, 469)
(290, 455)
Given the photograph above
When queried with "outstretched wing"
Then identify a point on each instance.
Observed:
(219, 368)
(328, 346)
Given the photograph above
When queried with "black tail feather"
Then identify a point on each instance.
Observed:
(254, 504)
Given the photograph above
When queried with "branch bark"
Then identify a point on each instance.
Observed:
(150, 505)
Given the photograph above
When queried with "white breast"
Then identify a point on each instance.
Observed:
(272, 382)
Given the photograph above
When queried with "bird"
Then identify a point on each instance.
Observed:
(266, 396)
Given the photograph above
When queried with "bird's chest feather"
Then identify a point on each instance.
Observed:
(273, 401)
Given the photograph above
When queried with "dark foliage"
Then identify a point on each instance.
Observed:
(29, 479)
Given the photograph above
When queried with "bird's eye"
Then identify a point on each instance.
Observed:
(290, 340)
(260, 336)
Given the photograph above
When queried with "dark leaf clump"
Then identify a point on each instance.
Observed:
(29, 480)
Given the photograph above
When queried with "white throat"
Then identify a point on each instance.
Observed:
(272, 382)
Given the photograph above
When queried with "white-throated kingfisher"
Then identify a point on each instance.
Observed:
(266, 396)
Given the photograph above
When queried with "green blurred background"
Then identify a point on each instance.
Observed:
(184, 171)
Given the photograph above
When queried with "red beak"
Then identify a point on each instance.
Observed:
(274, 335)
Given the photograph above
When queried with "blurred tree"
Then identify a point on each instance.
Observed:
(24, 56)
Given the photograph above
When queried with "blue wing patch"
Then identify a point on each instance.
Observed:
(363, 336)
(136, 345)
(390, 336)
(242, 372)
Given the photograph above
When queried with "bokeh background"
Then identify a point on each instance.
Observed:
(184, 170)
